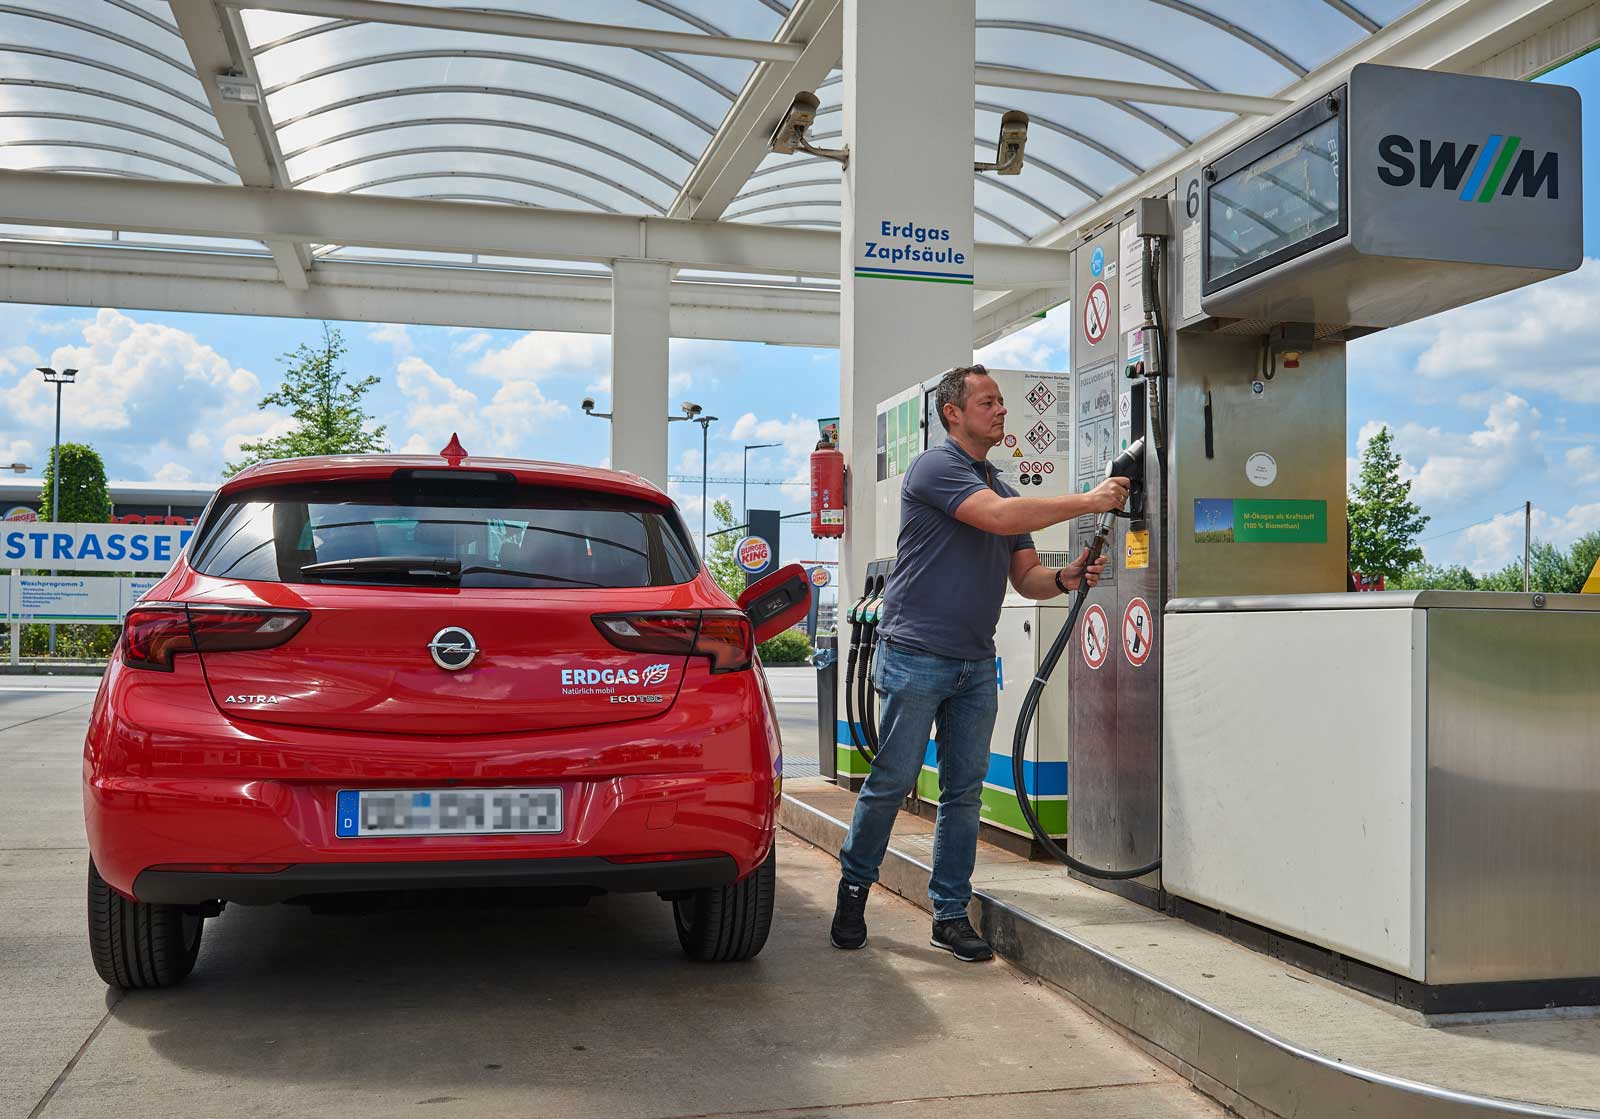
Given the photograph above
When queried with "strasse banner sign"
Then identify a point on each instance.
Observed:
(43, 545)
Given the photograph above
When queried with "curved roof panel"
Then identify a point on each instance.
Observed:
(469, 109)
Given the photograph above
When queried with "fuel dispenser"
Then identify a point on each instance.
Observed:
(1360, 777)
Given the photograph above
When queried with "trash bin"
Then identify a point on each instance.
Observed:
(826, 662)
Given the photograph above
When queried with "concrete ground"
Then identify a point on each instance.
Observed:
(514, 1011)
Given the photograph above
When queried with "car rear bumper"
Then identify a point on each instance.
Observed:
(311, 879)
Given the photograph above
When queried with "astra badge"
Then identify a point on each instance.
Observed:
(256, 699)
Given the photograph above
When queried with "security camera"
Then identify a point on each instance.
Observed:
(791, 131)
(588, 404)
(790, 135)
(1008, 151)
(691, 410)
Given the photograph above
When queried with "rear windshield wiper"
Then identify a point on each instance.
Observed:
(439, 566)
(489, 567)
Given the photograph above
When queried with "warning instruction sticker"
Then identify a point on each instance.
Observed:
(1040, 397)
(1040, 437)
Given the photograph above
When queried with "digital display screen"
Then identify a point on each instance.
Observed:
(1286, 197)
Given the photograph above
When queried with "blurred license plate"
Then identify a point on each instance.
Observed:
(371, 812)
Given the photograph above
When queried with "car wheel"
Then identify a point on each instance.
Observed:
(729, 922)
(136, 944)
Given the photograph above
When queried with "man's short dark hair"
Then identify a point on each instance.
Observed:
(953, 389)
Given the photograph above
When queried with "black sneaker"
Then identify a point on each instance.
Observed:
(960, 939)
(849, 917)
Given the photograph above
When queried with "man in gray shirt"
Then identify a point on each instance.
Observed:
(963, 533)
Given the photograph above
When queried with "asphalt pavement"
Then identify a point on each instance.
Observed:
(515, 1010)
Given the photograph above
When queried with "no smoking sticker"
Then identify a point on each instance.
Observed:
(1096, 636)
(1096, 313)
(1138, 632)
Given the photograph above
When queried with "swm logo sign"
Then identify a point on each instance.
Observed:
(1444, 164)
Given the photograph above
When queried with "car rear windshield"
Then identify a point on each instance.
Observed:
(476, 533)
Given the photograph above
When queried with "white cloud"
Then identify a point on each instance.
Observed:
(19, 450)
(1450, 468)
(1583, 465)
(796, 435)
(1541, 338)
(395, 335)
(436, 406)
(546, 353)
(1492, 545)
(517, 412)
(147, 394)
(471, 344)
(1043, 345)
(13, 358)
(174, 472)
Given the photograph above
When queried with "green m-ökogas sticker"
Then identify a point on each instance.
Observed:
(1226, 520)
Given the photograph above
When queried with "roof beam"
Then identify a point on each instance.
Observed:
(1008, 78)
(740, 143)
(217, 45)
(59, 200)
(73, 276)
(530, 27)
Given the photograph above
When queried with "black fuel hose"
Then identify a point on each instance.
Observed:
(850, 681)
(1030, 708)
(868, 700)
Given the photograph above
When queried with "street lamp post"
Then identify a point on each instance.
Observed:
(744, 485)
(51, 377)
(705, 423)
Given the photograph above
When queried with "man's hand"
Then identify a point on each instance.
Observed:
(1108, 495)
(1081, 571)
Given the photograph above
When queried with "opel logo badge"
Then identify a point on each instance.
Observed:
(453, 648)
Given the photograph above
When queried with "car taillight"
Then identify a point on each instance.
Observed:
(725, 637)
(154, 633)
(722, 636)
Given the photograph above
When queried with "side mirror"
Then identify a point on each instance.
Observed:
(777, 601)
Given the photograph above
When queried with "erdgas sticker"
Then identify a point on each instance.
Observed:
(619, 685)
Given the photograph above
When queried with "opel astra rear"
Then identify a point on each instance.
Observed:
(381, 674)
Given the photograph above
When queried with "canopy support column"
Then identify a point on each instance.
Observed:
(905, 308)
(640, 330)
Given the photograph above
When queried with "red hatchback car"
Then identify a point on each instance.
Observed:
(387, 673)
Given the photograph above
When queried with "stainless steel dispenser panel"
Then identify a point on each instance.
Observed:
(1269, 493)
(1513, 793)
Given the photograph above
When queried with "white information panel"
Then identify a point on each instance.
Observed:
(69, 599)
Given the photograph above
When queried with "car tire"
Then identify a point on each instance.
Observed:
(725, 923)
(137, 944)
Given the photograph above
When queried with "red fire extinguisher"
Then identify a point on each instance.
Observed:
(827, 489)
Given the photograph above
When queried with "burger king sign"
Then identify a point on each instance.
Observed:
(753, 554)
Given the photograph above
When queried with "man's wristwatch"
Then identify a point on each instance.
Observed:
(1062, 587)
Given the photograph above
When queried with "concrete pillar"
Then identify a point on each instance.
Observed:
(640, 305)
(905, 308)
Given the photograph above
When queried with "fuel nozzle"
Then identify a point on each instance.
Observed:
(1130, 465)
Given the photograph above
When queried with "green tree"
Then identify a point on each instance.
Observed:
(721, 560)
(85, 499)
(1384, 521)
(329, 417)
(1429, 577)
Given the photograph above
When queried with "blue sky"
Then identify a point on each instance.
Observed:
(1492, 404)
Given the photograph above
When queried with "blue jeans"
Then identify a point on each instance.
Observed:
(917, 690)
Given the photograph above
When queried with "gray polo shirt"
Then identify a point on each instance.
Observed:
(949, 578)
